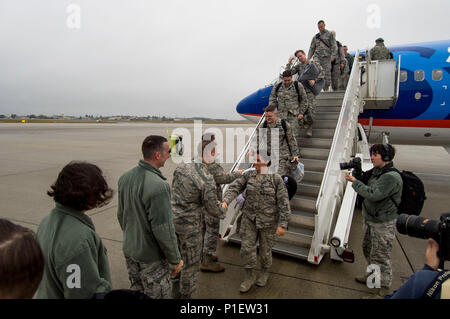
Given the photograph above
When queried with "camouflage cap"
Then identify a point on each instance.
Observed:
(379, 40)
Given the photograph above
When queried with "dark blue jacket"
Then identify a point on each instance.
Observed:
(417, 285)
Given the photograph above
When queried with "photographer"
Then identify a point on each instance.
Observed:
(424, 283)
(380, 212)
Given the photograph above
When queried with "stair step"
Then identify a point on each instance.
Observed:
(319, 132)
(313, 164)
(312, 177)
(303, 203)
(330, 124)
(305, 189)
(291, 250)
(328, 109)
(314, 153)
(331, 95)
(288, 249)
(320, 116)
(302, 219)
(329, 102)
(297, 236)
(315, 142)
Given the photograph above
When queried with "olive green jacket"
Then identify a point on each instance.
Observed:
(145, 216)
(76, 263)
(377, 206)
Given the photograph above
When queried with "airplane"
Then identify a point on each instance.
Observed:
(421, 115)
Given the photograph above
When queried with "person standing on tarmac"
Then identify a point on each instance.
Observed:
(194, 192)
(382, 194)
(145, 216)
(70, 245)
(265, 215)
(306, 116)
(210, 224)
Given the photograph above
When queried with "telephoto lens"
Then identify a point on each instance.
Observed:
(419, 227)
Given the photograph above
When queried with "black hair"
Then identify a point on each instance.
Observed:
(81, 186)
(387, 151)
(151, 145)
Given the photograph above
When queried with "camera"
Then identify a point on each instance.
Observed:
(354, 163)
(421, 227)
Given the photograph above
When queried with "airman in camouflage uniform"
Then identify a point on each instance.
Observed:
(265, 214)
(307, 115)
(379, 51)
(338, 65)
(287, 99)
(194, 191)
(324, 50)
(348, 67)
(211, 223)
(288, 159)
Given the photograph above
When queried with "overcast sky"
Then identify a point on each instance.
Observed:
(178, 58)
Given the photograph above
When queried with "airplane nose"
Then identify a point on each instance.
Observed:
(255, 102)
(244, 105)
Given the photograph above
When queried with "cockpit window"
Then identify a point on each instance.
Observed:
(403, 76)
(437, 75)
(419, 75)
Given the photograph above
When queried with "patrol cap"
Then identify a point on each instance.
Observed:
(379, 40)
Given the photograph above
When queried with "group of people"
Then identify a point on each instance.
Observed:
(327, 63)
(169, 233)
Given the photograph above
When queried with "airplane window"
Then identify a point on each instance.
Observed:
(403, 76)
(437, 75)
(419, 75)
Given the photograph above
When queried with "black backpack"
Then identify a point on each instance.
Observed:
(413, 191)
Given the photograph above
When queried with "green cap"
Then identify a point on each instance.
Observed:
(379, 40)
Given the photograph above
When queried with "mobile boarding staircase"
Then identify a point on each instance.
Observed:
(323, 206)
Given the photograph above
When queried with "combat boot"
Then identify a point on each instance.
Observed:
(248, 281)
(208, 264)
(263, 277)
(363, 278)
(309, 131)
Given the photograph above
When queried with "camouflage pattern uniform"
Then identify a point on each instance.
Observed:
(336, 67)
(288, 105)
(210, 227)
(266, 207)
(349, 58)
(377, 247)
(285, 157)
(322, 52)
(193, 192)
(379, 52)
(150, 278)
(311, 109)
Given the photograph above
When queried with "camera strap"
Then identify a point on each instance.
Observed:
(442, 280)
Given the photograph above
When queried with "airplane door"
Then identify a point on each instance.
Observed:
(441, 87)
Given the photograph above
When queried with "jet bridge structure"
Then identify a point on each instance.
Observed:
(322, 209)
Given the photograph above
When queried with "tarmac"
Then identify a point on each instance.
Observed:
(32, 155)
